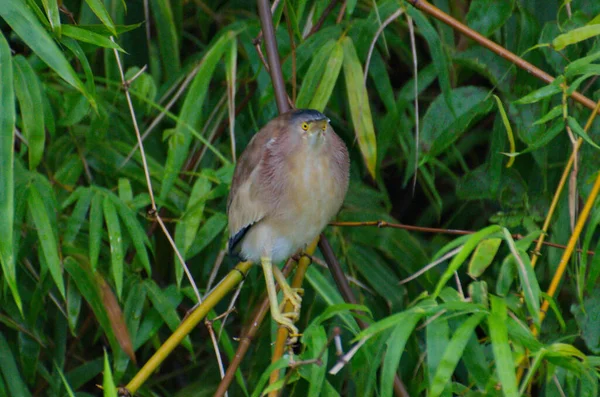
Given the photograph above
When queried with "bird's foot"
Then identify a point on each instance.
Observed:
(284, 321)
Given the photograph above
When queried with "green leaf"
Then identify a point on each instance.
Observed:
(46, 237)
(575, 36)
(95, 229)
(315, 340)
(190, 115)
(115, 240)
(87, 36)
(551, 115)
(483, 256)
(529, 284)
(487, 16)
(135, 230)
(25, 24)
(166, 310)
(207, 233)
(51, 8)
(360, 109)
(576, 128)
(541, 93)
(464, 253)
(499, 337)
(509, 131)
(97, 6)
(85, 280)
(395, 347)
(7, 179)
(65, 382)
(108, 384)
(453, 354)
(79, 213)
(313, 75)
(167, 37)
(441, 127)
(15, 384)
(28, 90)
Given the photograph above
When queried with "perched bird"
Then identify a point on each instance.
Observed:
(287, 185)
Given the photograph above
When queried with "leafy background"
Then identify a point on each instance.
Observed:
(90, 282)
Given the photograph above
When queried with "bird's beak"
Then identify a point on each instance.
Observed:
(319, 126)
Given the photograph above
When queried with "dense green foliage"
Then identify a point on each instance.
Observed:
(89, 279)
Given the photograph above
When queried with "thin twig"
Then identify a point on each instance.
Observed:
(324, 15)
(413, 48)
(213, 338)
(343, 360)
(431, 265)
(385, 23)
(147, 174)
(441, 231)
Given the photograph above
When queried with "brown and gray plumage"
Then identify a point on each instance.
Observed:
(287, 185)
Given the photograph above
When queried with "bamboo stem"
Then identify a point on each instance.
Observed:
(187, 325)
(282, 332)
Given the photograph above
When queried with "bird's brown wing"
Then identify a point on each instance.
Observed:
(243, 207)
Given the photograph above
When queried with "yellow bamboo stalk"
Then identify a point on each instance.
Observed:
(564, 260)
(561, 184)
(282, 332)
(228, 284)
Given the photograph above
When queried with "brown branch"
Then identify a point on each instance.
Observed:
(490, 45)
(321, 20)
(423, 229)
(266, 21)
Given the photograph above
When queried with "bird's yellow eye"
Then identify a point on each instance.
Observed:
(305, 126)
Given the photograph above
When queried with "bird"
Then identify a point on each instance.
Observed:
(288, 183)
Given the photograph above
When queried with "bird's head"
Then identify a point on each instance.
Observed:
(312, 125)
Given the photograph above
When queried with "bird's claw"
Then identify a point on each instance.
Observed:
(284, 321)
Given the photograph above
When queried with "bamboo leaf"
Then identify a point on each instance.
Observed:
(453, 354)
(98, 8)
(86, 283)
(51, 8)
(499, 337)
(108, 384)
(395, 347)
(15, 384)
(47, 237)
(575, 36)
(28, 90)
(190, 115)
(483, 256)
(464, 253)
(167, 36)
(360, 109)
(115, 240)
(22, 20)
(86, 36)
(509, 131)
(95, 229)
(574, 124)
(135, 230)
(7, 172)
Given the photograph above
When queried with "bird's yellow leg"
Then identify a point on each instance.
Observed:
(267, 266)
(293, 295)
